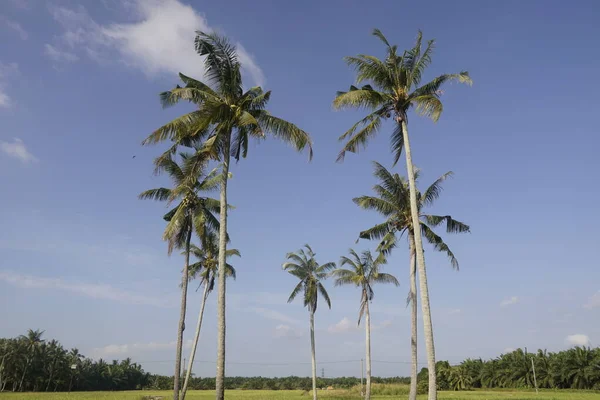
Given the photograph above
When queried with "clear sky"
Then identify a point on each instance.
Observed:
(82, 258)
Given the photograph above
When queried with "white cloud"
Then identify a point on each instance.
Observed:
(93, 290)
(121, 349)
(17, 149)
(455, 311)
(274, 315)
(510, 301)
(15, 26)
(345, 325)
(153, 43)
(593, 301)
(577, 339)
(6, 71)
(59, 55)
(287, 331)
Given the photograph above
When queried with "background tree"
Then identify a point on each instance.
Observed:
(304, 266)
(364, 272)
(392, 201)
(206, 268)
(392, 89)
(193, 212)
(226, 118)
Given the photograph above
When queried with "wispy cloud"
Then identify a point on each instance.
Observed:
(92, 290)
(17, 149)
(59, 55)
(6, 71)
(274, 315)
(122, 349)
(578, 339)
(510, 301)
(454, 311)
(286, 331)
(13, 26)
(152, 43)
(346, 325)
(593, 301)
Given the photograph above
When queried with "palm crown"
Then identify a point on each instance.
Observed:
(303, 265)
(193, 212)
(393, 202)
(364, 272)
(223, 107)
(392, 89)
(207, 265)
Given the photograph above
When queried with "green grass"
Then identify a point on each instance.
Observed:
(298, 395)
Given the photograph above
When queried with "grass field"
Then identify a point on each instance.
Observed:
(298, 395)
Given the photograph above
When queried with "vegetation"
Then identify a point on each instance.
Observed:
(364, 272)
(392, 201)
(192, 214)
(391, 89)
(225, 119)
(304, 266)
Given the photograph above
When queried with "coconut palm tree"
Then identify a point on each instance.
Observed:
(206, 268)
(392, 200)
(303, 265)
(227, 116)
(32, 341)
(192, 213)
(392, 89)
(364, 272)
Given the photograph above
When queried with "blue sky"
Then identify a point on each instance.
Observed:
(81, 257)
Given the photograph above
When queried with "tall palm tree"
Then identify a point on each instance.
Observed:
(206, 268)
(227, 116)
(192, 213)
(392, 89)
(32, 341)
(364, 272)
(392, 200)
(303, 265)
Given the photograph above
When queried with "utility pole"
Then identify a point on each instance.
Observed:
(362, 370)
(534, 379)
(322, 372)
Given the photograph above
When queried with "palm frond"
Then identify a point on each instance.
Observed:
(364, 97)
(324, 294)
(285, 131)
(433, 192)
(439, 244)
(160, 194)
(386, 278)
(221, 62)
(361, 138)
(452, 225)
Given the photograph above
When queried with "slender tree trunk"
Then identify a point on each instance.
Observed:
(413, 319)
(181, 327)
(423, 289)
(368, 343)
(313, 355)
(23, 376)
(220, 376)
(194, 346)
(51, 373)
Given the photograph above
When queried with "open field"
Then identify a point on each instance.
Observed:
(296, 394)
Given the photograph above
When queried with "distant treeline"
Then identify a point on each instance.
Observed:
(30, 363)
(576, 368)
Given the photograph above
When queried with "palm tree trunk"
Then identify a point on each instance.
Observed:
(220, 375)
(23, 376)
(423, 289)
(368, 343)
(51, 373)
(413, 319)
(313, 356)
(196, 338)
(181, 327)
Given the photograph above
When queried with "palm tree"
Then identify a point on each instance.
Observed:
(363, 273)
(206, 270)
(392, 89)
(32, 340)
(227, 117)
(392, 200)
(192, 213)
(304, 266)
